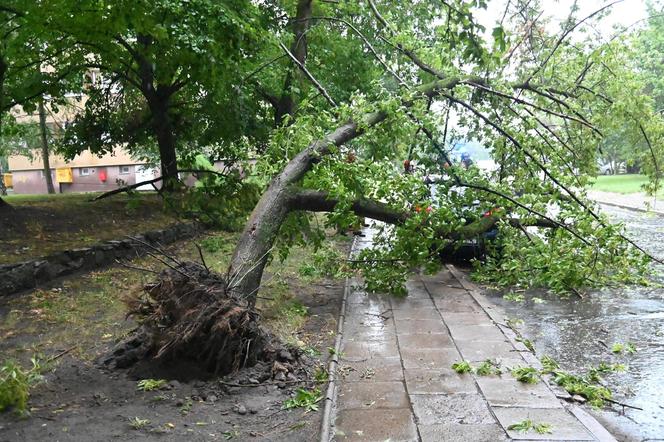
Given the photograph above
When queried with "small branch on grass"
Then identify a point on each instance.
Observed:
(153, 181)
(61, 354)
(125, 189)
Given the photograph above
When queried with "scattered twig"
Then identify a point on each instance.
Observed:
(623, 405)
(297, 381)
(200, 253)
(61, 354)
(129, 266)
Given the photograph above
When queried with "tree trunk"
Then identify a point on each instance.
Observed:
(3, 188)
(286, 103)
(3, 70)
(43, 129)
(255, 244)
(163, 129)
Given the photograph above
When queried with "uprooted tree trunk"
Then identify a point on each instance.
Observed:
(255, 244)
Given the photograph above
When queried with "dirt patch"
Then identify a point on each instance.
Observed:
(37, 226)
(83, 400)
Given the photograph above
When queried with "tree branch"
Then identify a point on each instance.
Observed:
(309, 76)
(319, 201)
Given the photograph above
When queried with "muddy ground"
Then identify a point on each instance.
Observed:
(37, 225)
(83, 400)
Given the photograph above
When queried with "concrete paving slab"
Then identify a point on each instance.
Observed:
(417, 313)
(425, 341)
(361, 332)
(443, 277)
(395, 425)
(429, 359)
(416, 289)
(474, 351)
(441, 381)
(466, 318)
(482, 333)
(451, 408)
(395, 376)
(372, 395)
(564, 425)
(405, 303)
(462, 433)
(457, 304)
(409, 326)
(506, 391)
(440, 289)
(369, 349)
(370, 301)
(374, 319)
(375, 369)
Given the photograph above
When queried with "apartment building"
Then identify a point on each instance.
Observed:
(85, 173)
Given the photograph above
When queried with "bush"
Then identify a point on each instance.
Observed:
(15, 385)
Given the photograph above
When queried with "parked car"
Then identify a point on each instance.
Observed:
(611, 169)
(469, 248)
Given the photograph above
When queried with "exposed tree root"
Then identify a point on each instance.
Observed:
(188, 314)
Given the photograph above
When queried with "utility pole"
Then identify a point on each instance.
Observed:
(44, 142)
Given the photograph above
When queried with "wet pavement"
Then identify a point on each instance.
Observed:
(580, 334)
(395, 380)
(636, 201)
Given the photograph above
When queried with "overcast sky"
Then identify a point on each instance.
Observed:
(624, 13)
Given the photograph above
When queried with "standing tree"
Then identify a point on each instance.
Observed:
(34, 60)
(44, 136)
(161, 74)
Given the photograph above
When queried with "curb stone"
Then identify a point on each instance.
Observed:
(16, 277)
(330, 396)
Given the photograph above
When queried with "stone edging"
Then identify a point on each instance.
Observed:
(632, 208)
(330, 396)
(25, 275)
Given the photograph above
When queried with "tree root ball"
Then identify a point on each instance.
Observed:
(189, 314)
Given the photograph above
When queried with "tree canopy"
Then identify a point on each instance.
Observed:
(332, 97)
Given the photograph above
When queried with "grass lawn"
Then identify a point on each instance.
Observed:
(87, 311)
(630, 183)
(41, 224)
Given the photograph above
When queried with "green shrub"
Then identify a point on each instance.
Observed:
(15, 385)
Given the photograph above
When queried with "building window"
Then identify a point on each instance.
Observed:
(85, 171)
(124, 170)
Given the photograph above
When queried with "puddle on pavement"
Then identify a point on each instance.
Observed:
(580, 333)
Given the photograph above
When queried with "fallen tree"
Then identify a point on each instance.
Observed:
(542, 124)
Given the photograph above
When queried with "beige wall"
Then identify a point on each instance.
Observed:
(75, 104)
(85, 159)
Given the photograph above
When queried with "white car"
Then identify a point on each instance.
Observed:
(608, 169)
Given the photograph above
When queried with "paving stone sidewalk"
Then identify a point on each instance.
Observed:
(395, 381)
